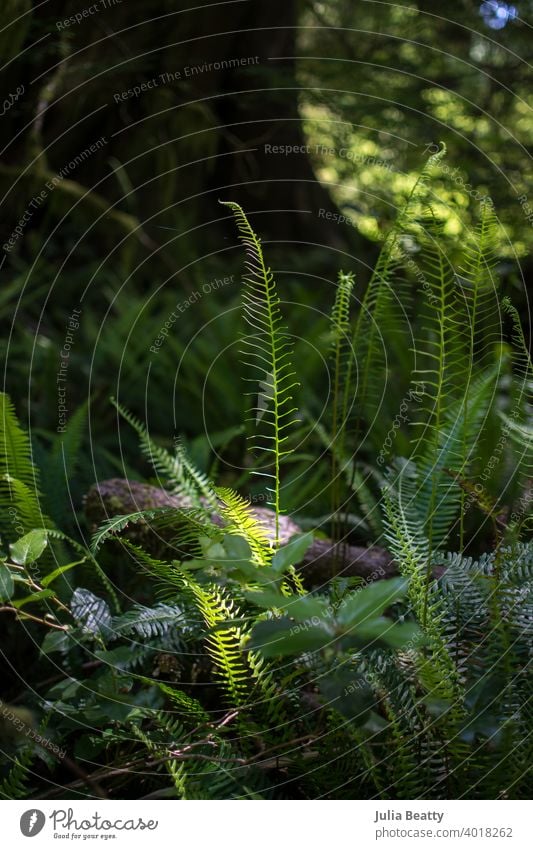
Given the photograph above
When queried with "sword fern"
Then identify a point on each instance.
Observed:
(267, 350)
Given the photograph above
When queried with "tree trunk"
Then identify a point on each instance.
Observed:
(191, 105)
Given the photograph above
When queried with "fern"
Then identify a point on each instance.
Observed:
(15, 448)
(267, 350)
(378, 316)
(241, 521)
(54, 533)
(342, 358)
(404, 532)
(111, 527)
(14, 785)
(517, 425)
(479, 259)
(223, 643)
(176, 770)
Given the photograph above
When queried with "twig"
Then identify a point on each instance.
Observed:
(7, 609)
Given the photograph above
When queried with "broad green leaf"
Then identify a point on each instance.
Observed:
(254, 573)
(7, 587)
(292, 553)
(301, 608)
(281, 637)
(29, 548)
(55, 641)
(381, 632)
(371, 601)
(118, 658)
(57, 572)
(347, 691)
(38, 596)
(304, 608)
(236, 547)
(269, 599)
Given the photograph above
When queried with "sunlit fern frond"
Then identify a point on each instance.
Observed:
(267, 349)
(113, 526)
(479, 284)
(202, 484)
(223, 644)
(240, 519)
(15, 448)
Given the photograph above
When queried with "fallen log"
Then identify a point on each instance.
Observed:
(323, 561)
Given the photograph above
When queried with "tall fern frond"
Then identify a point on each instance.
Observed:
(405, 533)
(518, 423)
(453, 402)
(480, 319)
(342, 388)
(267, 350)
(381, 308)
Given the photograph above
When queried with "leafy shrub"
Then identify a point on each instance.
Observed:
(240, 680)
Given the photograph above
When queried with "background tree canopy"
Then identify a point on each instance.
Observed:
(123, 129)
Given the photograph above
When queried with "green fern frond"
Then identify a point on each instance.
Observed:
(15, 784)
(452, 446)
(180, 473)
(176, 769)
(54, 533)
(382, 309)
(517, 423)
(267, 350)
(15, 448)
(241, 521)
(480, 321)
(183, 704)
(410, 547)
(111, 527)
(169, 573)
(25, 502)
(197, 478)
(223, 644)
(342, 388)
(19, 478)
